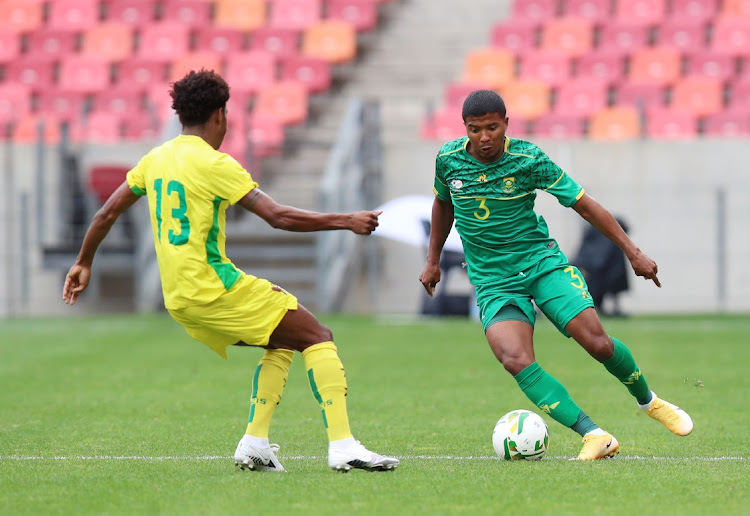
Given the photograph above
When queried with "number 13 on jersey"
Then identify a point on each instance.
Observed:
(179, 210)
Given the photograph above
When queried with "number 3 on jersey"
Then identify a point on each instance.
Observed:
(179, 213)
(485, 210)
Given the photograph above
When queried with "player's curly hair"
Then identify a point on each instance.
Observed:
(197, 95)
(482, 102)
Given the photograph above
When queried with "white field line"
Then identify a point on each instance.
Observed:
(314, 457)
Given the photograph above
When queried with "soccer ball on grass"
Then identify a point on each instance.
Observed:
(520, 435)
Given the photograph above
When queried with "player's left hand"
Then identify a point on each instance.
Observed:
(364, 222)
(645, 267)
(76, 282)
(430, 277)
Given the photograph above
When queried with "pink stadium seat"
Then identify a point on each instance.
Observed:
(37, 74)
(282, 42)
(63, 105)
(164, 41)
(194, 61)
(159, 102)
(698, 95)
(86, 74)
(738, 8)
(514, 35)
(443, 124)
(659, 65)
(640, 95)
(312, 72)
(539, 10)
(193, 13)
(26, 129)
(492, 66)
(605, 66)
(727, 124)
(250, 71)
(694, 10)
(121, 100)
(712, 64)
(73, 15)
(670, 124)
(294, 14)
(219, 40)
(140, 74)
(640, 12)
(581, 98)
(686, 35)
(103, 180)
(622, 37)
(615, 124)
(731, 36)
(362, 14)
(10, 44)
(332, 40)
(597, 11)
(141, 126)
(739, 97)
(550, 66)
(22, 15)
(52, 45)
(15, 101)
(133, 12)
(97, 127)
(572, 36)
(285, 100)
(456, 92)
(243, 15)
(559, 126)
(526, 98)
(265, 135)
(112, 41)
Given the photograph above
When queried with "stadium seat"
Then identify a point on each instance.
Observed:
(550, 66)
(597, 11)
(26, 129)
(569, 35)
(140, 74)
(727, 124)
(121, 100)
(22, 15)
(133, 12)
(456, 92)
(686, 35)
(659, 65)
(312, 72)
(670, 124)
(334, 41)
(640, 95)
(84, 73)
(281, 42)
(219, 40)
(581, 98)
(159, 102)
(265, 135)
(622, 37)
(242, 15)
(698, 95)
(514, 35)
(539, 10)
(192, 13)
(492, 66)
(194, 61)
(50, 45)
(15, 101)
(731, 35)
(361, 14)
(103, 180)
(694, 10)
(526, 99)
(10, 44)
(739, 97)
(640, 12)
(250, 71)
(73, 15)
(100, 127)
(63, 105)
(163, 41)
(112, 41)
(294, 14)
(35, 73)
(285, 100)
(712, 64)
(615, 124)
(735, 8)
(140, 126)
(604, 66)
(559, 126)
(443, 124)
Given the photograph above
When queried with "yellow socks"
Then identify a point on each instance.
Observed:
(268, 384)
(328, 383)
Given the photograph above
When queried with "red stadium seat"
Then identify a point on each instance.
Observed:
(51, 45)
(312, 72)
(694, 10)
(26, 129)
(559, 126)
(640, 95)
(334, 41)
(265, 135)
(87, 74)
(581, 98)
(659, 65)
(670, 124)
(597, 11)
(727, 124)
(456, 92)
(615, 124)
(444, 124)
(100, 127)
(731, 36)
(572, 36)
(294, 14)
(242, 15)
(282, 42)
(285, 100)
(10, 44)
(37, 74)
(73, 15)
(103, 180)
(140, 74)
(22, 15)
(121, 101)
(164, 41)
(687, 35)
(700, 96)
(603, 66)
(15, 101)
(250, 71)
(158, 102)
(622, 37)
(219, 40)
(514, 35)
(492, 66)
(194, 61)
(141, 126)
(133, 12)
(63, 105)
(361, 14)
(193, 13)
(712, 64)
(550, 66)
(539, 10)
(112, 41)
(640, 12)
(526, 98)
(739, 97)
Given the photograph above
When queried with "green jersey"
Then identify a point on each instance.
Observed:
(494, 205)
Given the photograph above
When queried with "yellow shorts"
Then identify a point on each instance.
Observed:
(248, 312)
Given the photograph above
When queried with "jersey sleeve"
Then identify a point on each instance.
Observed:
(136, 179)
(441, 186)
(552, 179)
(230, 180)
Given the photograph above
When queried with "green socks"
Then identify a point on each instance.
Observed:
(548, 394)
(623, 367)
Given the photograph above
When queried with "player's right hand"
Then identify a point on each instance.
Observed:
(430, 277)
(364, 222)
(76, 282)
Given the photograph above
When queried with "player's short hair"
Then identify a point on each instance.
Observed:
(482, 102)
(197, 95)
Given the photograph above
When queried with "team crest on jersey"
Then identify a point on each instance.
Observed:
(509, 185)
(457, 184)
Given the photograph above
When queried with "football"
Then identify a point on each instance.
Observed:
(520, 435)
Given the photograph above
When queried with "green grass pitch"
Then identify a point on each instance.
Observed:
(128, 415)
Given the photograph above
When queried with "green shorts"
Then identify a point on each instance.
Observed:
(557, 288)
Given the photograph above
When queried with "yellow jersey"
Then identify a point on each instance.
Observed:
(189, 186)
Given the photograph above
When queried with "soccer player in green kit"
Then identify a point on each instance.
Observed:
(488, 183)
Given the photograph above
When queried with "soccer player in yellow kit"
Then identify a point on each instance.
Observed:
(189, 184)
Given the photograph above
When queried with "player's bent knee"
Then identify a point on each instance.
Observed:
(515, 365)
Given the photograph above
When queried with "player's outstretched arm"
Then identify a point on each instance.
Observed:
(289, 218)
(78, 276)
(440, 226)
(598, 216)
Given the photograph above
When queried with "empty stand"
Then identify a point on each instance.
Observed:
(559, 126)
(193, 13)
(694, 10)
(670, 124)
(52, 45)
(312, 72)
(140, 73)
(194, 61)
(727, 125)
(443, 124)
(731, 35)
(294, 14)
(285, 100)
(282, 42)
(361, 14)
(134, 12)
(740, 8)
(581, 98)
(334, 41)
(250, 71)
(63, 105)
(640, 12)
(739, 96)
(492, 66)
(515, 35)
(602, 66)
(122, 101)
(658, 65)
(10, 44)
(698, 95)
(84, 73)
(615, 124)
(164, 41)
(37, 74)
(550, 66)
(112, 41)
(219, 40)
(623, 37)
(687, 35)
(101, 127)
(15, 101)
(73, 15)
(598, 11)
(26, 129)
(103, 180)
(538, 10)
(244, 15)
(640, 95)
(712, 64)
(572, 36)
(526, 98)
(22, 15)
(456, 92)
(265, 134)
